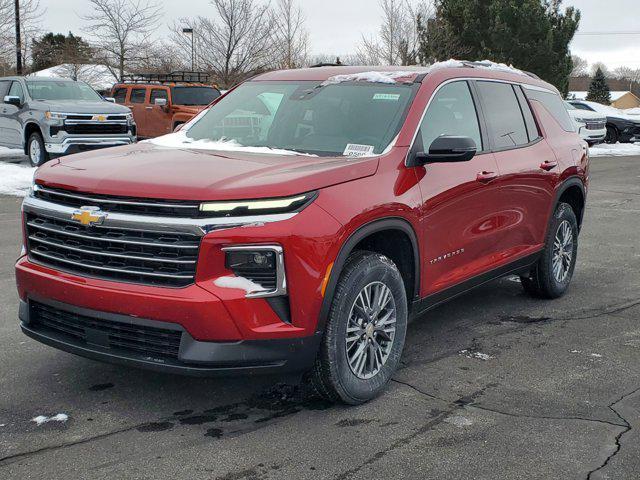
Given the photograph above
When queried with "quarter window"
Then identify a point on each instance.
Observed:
(451, 112)
(554, 104)
(138, 95)
(504, 116)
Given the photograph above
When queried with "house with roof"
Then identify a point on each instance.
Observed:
(619, 99)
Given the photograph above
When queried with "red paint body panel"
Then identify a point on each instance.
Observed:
(464, 227)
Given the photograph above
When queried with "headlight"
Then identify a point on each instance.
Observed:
(129, 117)
(581, 120)
(258, 207)
(55, 117)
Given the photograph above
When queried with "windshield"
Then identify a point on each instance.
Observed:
(52, 90)
(569, 106)
(344, 119)
(194, 95)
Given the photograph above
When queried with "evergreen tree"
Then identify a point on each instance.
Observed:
(599, 89)
(532, 35)
(54, 48)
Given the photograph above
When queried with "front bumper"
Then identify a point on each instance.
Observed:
(73, 144)
(194, 358)
(593, 136)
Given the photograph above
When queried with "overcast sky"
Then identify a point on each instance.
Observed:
(336, 26)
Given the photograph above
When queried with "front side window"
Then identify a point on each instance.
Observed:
(503, 114)
(308, 117)
(4, 88)
(158, 93)
(16, 91)
(138, 95)
(451, 112)
(57, 90)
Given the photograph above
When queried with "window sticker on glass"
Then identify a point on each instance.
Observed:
(391, 97)
(354, 150)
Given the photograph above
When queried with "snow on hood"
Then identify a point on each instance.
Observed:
(180, 140)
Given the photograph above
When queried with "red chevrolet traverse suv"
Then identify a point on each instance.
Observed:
(302, 220)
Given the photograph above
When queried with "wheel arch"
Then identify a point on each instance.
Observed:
(572, 191)
(29, 128)
(369, 235)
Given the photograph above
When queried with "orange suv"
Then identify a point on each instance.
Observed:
(161, 102)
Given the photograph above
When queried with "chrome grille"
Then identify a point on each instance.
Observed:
(595, 125)
(109, 203)
(139, 256)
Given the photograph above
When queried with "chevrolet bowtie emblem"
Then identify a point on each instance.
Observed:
(89, 216)
(99, 118)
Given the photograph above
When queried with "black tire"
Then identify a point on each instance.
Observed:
(542, 281)
(612, 135)
(332, 377)
(37, 156)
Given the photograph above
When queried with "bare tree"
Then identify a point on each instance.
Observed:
(601, 66)
(580, 66)
(290, 38)
(397, 41)
(234, 44)
(31, 14)
(632, 75)
(121, 29)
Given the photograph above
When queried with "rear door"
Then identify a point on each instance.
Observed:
(527, 164)
(158, 117)
(459, 217)
(137, 104)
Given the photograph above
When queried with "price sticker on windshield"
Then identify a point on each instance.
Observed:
(389, 97)
(354, 150)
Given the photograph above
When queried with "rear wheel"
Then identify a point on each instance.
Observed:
(612, 135)
(551, 276)
(365, 332)
(36, 151)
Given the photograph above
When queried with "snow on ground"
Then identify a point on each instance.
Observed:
(615, 150)
(40, 419)
(10, 152)
(15, 179)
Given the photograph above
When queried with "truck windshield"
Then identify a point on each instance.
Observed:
(52, 90)
(353, 119)
(193, 95)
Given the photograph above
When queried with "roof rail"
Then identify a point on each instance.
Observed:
(173, 77)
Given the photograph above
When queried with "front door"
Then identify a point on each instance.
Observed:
(158, 113)
(460, 213)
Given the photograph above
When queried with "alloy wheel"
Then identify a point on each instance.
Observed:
(35, 152)
(371, 330)
(562, 252)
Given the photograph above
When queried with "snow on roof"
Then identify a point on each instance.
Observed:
(582, 95)
(376, 76)
(98, 76)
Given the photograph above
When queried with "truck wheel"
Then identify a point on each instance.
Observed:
(551, 275)
(36, 151)
(612, 135)
(365, 331)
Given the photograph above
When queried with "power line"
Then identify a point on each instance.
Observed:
(630, 32)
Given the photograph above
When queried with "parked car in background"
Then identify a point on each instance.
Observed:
(160, 103)
(48, 117)
(592, 126)
(621, 127)
(303, 238)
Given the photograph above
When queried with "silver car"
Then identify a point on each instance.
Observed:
(52, 117)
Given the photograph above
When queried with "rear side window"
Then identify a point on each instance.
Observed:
(553, 103)
(158, 93)
(502, 110)
(120, 95)
(532, 128)
(138, 95)
(451, 112)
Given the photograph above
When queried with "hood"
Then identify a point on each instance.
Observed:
(587, 115)
(79, 106)
(145, 170)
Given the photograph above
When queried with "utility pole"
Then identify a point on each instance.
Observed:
(18, 41)
(189, 31)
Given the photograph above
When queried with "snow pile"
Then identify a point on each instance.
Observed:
(632, 111)
(476, 355)
(180, 140)
(500, 67)
(459, 421)
(615, 150)
(15, 179)
(10, 152)
(372, 77)
(41, 419)
(239, 283)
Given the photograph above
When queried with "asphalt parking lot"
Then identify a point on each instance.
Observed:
(494, 385)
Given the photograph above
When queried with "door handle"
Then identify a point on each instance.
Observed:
(148, 108)
(548, 165)
(486, 177)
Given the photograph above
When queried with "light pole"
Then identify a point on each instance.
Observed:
(18, 42)
(193, 55)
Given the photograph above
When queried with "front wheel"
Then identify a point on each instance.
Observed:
(365, 331)
(36, 151)
(551, 275)
(612, 135)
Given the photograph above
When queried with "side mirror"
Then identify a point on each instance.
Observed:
(160, 102)
(110, 99)
(444, 149)
(11, 100)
